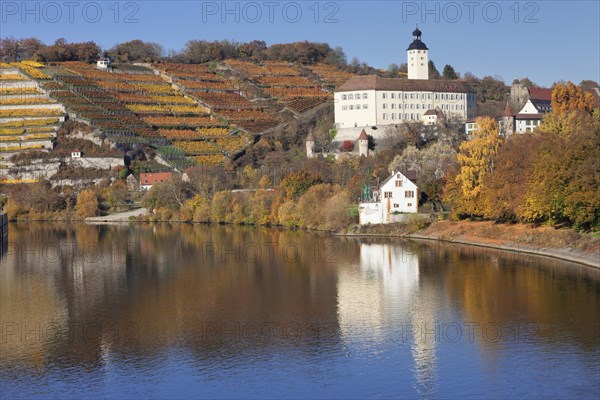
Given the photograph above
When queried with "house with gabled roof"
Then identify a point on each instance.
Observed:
(530, 116)
(396, 196)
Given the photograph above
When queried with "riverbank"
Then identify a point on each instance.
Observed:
(563, 244)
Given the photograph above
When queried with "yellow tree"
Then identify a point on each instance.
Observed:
(87, 203)
(568, 97)
(476, 161)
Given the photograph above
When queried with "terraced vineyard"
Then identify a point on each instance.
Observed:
(219, 94)
(29, 118)
(137, 106)
(189, 113)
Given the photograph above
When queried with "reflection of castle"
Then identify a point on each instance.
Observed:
(384, 300)
(379, 293)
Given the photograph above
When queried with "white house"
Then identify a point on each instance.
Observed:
(76, 154)
(397, 195)
(530, 116)
(102, 63)
(372, 101)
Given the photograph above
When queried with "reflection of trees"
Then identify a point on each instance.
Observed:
(161, 279)
(507, 289)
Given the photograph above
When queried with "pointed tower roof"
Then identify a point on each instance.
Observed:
(310, 137)
(507, 111)
(363, 135)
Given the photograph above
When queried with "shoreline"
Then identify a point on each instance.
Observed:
(591, 260)
(540, 252)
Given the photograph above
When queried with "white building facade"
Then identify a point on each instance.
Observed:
(373, 101)
(397, 195)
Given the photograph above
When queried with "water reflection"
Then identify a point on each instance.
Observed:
(134, 305)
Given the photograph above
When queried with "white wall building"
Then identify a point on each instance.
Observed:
(374, 101)
(530, 116)
(395, 196)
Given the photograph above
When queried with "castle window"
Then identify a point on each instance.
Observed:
(384, 95)
(393, 105)
(393, 95)
(384, 116)
(350, 97)
(344, 97)
(358, 106)
(351, 107)
(344, 107)
(365, 95)
(384, 106)
(365, 106)
(393, 116)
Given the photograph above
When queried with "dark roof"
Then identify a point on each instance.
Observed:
(540, 94)
(433, 111)
(374, 82)
(417, 32)
(411, 175)
(363, 135)
(543, 106)
(417, 45)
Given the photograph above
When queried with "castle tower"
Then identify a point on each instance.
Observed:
(310, 146)
(363, 144)
(418, 58)
(508, 121)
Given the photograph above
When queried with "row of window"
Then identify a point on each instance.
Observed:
(423, 96)
(407, 96)
(452, 107)
(356, 96)
(355, 107)
(407, 116)
(408, 194)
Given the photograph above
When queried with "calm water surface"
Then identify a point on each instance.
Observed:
(222, 312)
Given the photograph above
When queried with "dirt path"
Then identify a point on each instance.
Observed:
(121, 217)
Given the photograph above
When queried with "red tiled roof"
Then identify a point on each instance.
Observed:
(507, 111)
(156, 177)
(363, 135)
(540, 94)
(374, 82)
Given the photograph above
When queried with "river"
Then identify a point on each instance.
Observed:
(117, 311)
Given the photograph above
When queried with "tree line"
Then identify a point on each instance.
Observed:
(194, 51)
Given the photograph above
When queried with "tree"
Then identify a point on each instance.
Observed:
(136, 51)
(87, 203)
(116, 194)
(449, 73)
(433, 72)
(431, 165)
(568, 97)
(347, 146)
(476, 161)
(297, 183)
(587, 84)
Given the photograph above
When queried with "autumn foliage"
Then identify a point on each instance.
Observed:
(550, 176)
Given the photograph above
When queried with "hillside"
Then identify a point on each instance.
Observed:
(199, 114)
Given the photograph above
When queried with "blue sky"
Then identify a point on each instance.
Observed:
(545, 40)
